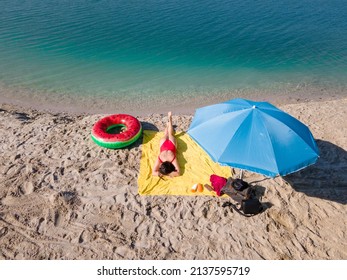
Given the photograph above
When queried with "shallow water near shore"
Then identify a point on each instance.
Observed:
(143, 106)
(150, 55)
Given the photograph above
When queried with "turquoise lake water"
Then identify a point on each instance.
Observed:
(146, 49)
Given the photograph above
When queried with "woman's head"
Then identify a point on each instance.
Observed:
(166, 168)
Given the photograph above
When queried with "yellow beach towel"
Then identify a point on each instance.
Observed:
(195, 164)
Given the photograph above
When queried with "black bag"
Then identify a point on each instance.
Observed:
(239, 184)
(248, 209)
(251, 206)
(236, 195)
(249, 203)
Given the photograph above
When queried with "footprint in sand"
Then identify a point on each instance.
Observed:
(283, 219)
(57, 218)
(39, 225)
(81, 238)
(3, 232)
(27, 188)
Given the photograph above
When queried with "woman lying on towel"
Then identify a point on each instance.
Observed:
(166, 163)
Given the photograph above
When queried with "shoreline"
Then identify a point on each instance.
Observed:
(63, 197)
(182, 104)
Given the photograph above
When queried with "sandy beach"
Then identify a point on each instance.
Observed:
(64, 197)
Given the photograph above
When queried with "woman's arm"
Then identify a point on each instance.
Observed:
(156, 165)
(177, 172)
(174, 174)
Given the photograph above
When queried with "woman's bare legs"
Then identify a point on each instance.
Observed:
(169, 131)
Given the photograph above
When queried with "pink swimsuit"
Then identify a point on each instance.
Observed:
(168, 146)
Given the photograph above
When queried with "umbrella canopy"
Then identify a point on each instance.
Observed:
(254, 136)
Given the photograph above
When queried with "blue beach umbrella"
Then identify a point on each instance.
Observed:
(254, 136)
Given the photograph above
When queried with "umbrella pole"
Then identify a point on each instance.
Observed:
(241, 174)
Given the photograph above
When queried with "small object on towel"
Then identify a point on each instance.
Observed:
(217, 183)
(194, 187)
(200, 188)
(207, 186)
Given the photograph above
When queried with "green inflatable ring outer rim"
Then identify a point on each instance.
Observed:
(116, 145)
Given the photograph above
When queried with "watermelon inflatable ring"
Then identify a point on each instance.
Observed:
(116, 131)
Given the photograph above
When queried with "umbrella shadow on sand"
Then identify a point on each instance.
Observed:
(327, 179)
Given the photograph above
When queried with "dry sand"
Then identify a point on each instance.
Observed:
(63, 197)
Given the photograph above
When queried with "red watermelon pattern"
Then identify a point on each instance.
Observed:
(133, 126)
